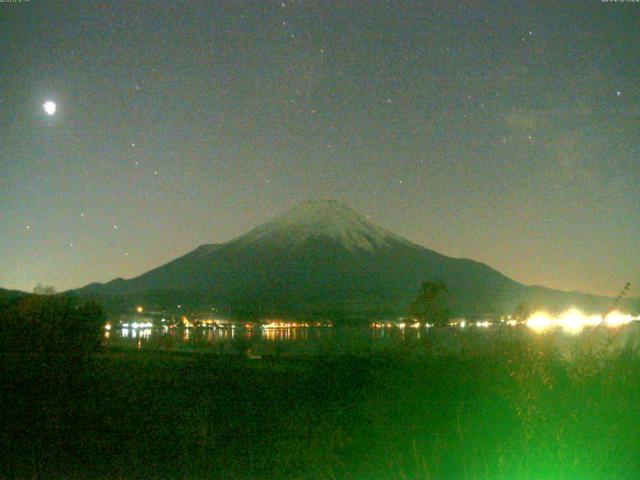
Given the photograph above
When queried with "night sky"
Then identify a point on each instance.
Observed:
(506, 132)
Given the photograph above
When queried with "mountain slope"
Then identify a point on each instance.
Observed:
(320, 258)
(9, 295)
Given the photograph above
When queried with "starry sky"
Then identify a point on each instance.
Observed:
(507, 132)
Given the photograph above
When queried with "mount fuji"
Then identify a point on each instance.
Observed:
(323, 259)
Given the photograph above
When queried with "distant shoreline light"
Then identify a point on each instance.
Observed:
(572, 321)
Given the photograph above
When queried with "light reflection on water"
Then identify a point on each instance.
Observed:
(365, 340)
(135, 333)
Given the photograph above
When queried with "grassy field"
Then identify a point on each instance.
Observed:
(522, 411)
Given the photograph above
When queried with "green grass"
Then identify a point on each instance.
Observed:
(519, 411)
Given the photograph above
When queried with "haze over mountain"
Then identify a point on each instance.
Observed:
(322, 258)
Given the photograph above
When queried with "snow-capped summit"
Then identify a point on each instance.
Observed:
(326, 219)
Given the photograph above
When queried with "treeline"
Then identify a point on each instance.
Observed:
(44, 324)
(48, 376)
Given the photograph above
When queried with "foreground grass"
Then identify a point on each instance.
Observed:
(522, 411)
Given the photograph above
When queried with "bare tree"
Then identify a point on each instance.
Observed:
(432, 303)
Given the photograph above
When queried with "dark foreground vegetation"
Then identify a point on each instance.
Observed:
(49, 325)
(523, 411)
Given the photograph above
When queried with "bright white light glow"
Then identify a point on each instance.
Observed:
(49, 107)
(616, 319)
(573, 321)
(136, 325)
(539, 322)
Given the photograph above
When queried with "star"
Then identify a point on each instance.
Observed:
(115, 227)
(618, 93)
(28, 227)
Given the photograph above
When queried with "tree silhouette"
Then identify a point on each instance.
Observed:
(41, 289)
(619, 298)
(432, 303)
(50, 324)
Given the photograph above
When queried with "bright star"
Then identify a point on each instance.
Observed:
(49, 107)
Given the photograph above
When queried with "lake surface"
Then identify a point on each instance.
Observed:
(364, 340)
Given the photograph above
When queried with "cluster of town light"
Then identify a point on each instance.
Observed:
(283, 324)
(137, 325)
(401, 324)
(570, 321)
(574, 321)
(219, 323)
